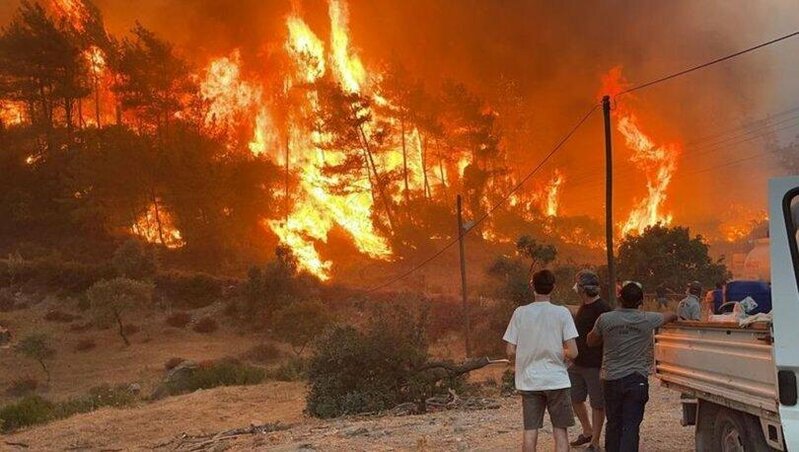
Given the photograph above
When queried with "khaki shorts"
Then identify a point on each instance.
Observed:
(558, 402)
(586, 384)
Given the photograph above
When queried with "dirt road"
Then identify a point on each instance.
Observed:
(161, 425)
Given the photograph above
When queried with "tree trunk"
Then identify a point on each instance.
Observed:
(378, 182)
(427, 192)
(157, 217)
(45, 369)
(121, 329)
(404, 161)
(288, 150)
(97, 100)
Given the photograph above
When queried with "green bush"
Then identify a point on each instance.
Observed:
(31, 410)
(22, 387)
(37, 347)
(190, 290)
(354, 372)
(34, 410)
(211, 374)
(134, 259)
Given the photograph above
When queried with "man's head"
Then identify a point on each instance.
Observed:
(543, 282)
(631, 295)
(587, 283)
(695, 288)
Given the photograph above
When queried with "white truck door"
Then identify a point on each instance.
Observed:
(784, 233)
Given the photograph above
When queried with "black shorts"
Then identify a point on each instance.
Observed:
(557, 401)
(586, 384)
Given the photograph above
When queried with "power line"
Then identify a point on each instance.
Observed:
(709, 63)
(490, 211)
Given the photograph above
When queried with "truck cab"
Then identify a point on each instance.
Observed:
(744, 379)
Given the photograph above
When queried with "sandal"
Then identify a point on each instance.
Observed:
(581, 440)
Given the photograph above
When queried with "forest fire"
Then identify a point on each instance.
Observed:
(156, 226)
(658, 162)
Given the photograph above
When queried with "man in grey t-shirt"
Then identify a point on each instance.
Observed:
(627, 336)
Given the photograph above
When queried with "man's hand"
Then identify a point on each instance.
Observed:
(594, 339)
(570, 349)
(510, 350)
(668, 317)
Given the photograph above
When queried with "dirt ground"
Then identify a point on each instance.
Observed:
(161, 425)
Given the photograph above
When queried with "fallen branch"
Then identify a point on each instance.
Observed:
(468, 366)
(22, 445)
(194, 443)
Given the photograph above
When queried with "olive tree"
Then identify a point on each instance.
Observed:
(112, 299)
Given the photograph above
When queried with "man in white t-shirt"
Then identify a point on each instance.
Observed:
(540, 337)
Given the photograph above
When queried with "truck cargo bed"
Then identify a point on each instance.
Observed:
(720, 362)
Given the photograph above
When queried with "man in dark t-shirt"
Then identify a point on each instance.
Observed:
(584, 372)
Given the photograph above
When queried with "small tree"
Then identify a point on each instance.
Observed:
(299, 323)
(538, 253)
(112, 299)
(133, 259)
(668, 256)
(37, 347)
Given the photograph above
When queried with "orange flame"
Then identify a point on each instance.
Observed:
(658, 162)
(12, 113)
(73, 11)
(146, 227)
(740, 222)
(552, 198)
(347, 65)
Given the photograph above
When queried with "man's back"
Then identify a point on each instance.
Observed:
(627, 336)
(539, 330)
(689, 308)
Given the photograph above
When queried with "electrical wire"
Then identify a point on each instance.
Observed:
(493, 208)
(709, 63)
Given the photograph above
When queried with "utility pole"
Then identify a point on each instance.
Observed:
(609, 203)
(466, 321)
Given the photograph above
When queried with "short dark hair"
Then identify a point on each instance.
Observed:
(631, 295)
(543, 282)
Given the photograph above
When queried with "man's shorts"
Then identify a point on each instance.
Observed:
(586, 384)
(557, 402)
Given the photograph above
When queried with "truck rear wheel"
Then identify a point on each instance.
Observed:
(736, 432)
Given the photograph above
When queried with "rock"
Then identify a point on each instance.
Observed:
(175, 380)
(5, 336)
(134, 388)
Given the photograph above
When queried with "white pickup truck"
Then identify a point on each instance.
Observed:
(744, 379)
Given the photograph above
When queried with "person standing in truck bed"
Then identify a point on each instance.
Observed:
(690, 308)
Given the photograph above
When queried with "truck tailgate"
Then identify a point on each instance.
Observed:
(724, 363)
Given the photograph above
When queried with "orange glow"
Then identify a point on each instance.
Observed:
(12, 113)
(552, 198)
(96, 58)
(73, 11)
(347, 65)
(146, 227)
(658, 161)
(740, 221)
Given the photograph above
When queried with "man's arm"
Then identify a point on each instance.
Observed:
(594, 338)
(510, 350)
(669, 317)
(570, 349)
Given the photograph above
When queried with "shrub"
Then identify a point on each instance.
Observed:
(206, 325)
(225, 372)
(263, 354)
(111, 300)
(276, 285)
(135, 260)
(130, 329)
(22, 387)
(294, 369)
(34, 410)
(191, 290)
(85, 345)
(59, 316)
(31, 410)
(355, 372)
(37, 347)
(54, 274)
(299, 323)
(178, 319)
